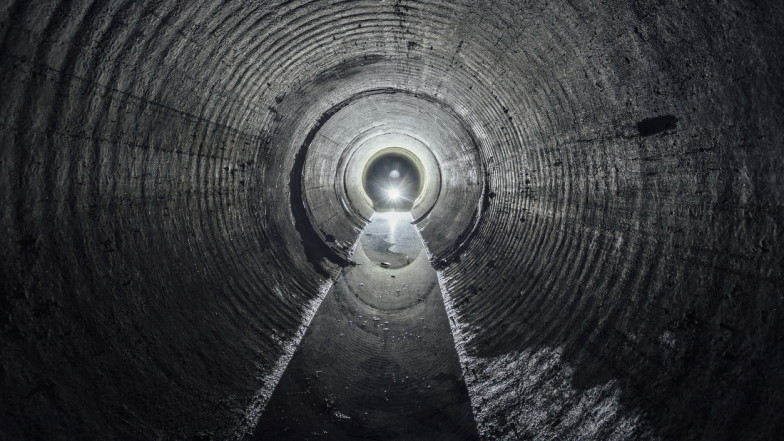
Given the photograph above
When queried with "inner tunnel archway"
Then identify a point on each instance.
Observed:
(393, 180)
(181, 184)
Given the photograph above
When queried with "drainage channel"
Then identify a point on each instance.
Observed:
(378, 361)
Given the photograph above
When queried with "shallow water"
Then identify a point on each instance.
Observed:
(379, 360)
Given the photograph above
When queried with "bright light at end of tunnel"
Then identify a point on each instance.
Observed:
(393, 194)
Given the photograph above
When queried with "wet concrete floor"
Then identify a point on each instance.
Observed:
(378, 362)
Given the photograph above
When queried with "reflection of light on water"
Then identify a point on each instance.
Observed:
(392, 228)
(393, 218)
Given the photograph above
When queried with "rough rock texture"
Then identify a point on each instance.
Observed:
(622, 241)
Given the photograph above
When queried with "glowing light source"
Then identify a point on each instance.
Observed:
(393, 194)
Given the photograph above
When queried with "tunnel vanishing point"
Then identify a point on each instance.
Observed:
(203, 237)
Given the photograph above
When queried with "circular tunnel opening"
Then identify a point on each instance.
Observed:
(393, 180)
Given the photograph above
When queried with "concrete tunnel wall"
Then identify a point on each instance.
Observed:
(332, 173)
(622, 277)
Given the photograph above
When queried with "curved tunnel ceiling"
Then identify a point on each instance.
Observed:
(607, 230)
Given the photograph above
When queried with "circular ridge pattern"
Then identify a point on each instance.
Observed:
(335, 209)
(627, 212)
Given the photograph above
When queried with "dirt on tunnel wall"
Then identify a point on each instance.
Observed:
(614, 268)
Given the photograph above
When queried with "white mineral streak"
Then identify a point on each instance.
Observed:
(270, 380)
(529, 394)
(253, 412)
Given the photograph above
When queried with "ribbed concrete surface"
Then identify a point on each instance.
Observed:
(618, 275)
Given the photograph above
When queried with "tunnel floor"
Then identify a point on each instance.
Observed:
(378, 361)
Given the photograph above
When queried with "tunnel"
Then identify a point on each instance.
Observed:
(193, 194)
